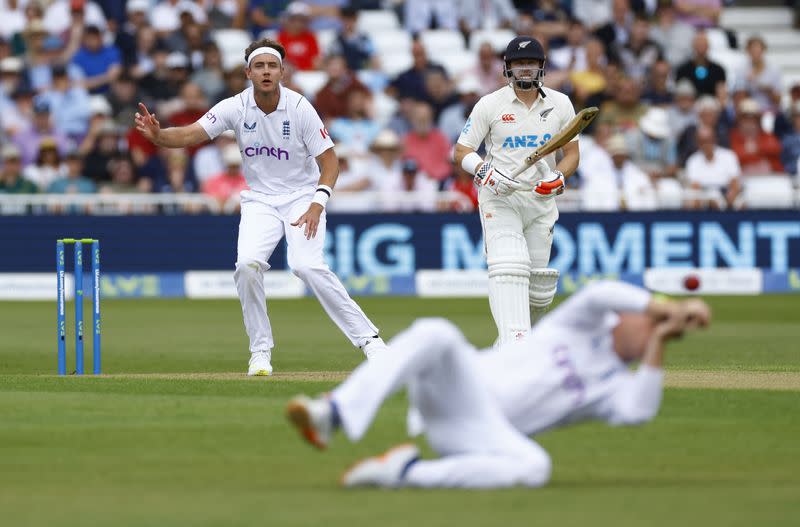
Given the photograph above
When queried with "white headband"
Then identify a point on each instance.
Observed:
(259, 51)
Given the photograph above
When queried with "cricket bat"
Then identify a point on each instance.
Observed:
(573, 128)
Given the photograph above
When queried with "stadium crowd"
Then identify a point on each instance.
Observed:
(73, 71)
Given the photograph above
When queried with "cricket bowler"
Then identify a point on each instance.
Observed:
(291, 169)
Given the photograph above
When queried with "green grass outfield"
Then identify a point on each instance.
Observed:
(151, 444)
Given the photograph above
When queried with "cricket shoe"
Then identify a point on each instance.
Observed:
(387, 470)
(260, 364)
(314, 418)
(373, 347)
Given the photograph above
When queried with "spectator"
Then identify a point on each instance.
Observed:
(42, 55)
(11, 180)
(192, 106)
(639, 53)
(652, 147)
(190, 41)
(572, 55)
(682, 113)
(707, 76)
(440, 92)
(480, 14)
(176, 177)
(301, 45)
(637, 191)
(600, 190)
(616, 33)
(12, 20)
(207, 161)
(165, 17)
(626, 109)
(701, 14)
(452, 118)
(488, 70)
(177, 73)
(420, 14)
(41, 127)
(426, 144)
(122, 175)
(383, 165)
(461, 182)
(591, 79)
(357, 129)
(332, 99)
(411, 83)
(156, 83)
(783, 119)
(210, 76)
(229, 183)
(236, 81)
(127, 36)
(400, 123)
(414, 191)
(12, 84)
(100, 63)
(713, 169)
(790, 146)
(47, 167)
(758, 151)
(552, 21)
(672, 35)
(70, 104)
(100, 148)
(760, 79)
(265, 14)
(708, 115)
(18, 116)
(657, 91)
(592, 13)
(143, 60)
(72, 180)
(61, 15)
(123, 100)
(356, 47)
(352, 176)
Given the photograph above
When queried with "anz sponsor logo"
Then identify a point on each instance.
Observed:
(525, 141)
(269, 151)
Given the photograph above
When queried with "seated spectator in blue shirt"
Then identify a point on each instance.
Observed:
(69, 104)
(74, 182)
(356, 47)
(411, 83)
(101, 64)
(357, 129)
(790, 146)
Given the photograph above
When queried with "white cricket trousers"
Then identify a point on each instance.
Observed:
(463, 423)
(265, 220)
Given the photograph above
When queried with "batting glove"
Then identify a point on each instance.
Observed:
(551, 182)
(489, 177)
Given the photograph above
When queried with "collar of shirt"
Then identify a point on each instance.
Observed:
(514, 99)
(281, 101)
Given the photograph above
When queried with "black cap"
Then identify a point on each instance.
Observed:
(524, 48)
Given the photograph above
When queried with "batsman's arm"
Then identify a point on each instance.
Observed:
(572, 157)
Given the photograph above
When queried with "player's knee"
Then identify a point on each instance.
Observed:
(535, 469)
(249, 268)
(542, 287)
(507, 255)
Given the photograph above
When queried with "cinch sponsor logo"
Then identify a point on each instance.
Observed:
(269, 151)
(525, 141)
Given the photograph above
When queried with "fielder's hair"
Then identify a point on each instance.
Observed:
(265, 43)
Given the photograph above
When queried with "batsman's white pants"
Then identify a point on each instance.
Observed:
(463, 423)
(265, 220)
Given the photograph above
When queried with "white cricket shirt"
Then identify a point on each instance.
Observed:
(279, 149)
(512, 131)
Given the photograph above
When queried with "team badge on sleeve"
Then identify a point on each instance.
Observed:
(467, 125)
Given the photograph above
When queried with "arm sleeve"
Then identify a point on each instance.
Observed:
(476, 127)
(220, 118)
(587, 307)
(315, 136)
(637, 398)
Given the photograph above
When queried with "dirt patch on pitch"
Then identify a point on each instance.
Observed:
(734, 380)
(335, 376)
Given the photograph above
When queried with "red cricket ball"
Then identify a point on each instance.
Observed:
(691, 282)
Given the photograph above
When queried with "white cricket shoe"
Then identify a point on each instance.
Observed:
(313, 418)
(260, 364)
(374, 347)
(386, 470)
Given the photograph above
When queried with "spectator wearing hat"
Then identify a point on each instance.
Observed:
(100, 63)
(41, 127)
(11, 82)
(11, 180)
(713, 169)
(452, 119)
(762, 80)
(657, 90)
(672, 35)
(790, 145)
(135, 20)
(47, 166)
(178, 70)
(488, 70)
(356, 47)
(707, 76)
(636, 190)
(357, 128)
(758, 151)
(682, 114)
(383, 163)
(332, 99)
(652, 147)
(708, 111)
(411, 83)
(302, 48)
(69, 102)
(426, 144)
(72, 180)
(229, 182)
(18, 39)
(12, 20)
(413, 191)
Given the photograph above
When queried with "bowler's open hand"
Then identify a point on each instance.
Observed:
(310, 220)
(147, 124)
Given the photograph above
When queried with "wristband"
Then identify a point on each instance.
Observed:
(470, 162)
(322, 195)
(559, 174)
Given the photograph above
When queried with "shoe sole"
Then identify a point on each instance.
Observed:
(298, 415)
(380, 458)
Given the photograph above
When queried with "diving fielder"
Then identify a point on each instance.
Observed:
(518, 224)
(478, 407)
(291, 169)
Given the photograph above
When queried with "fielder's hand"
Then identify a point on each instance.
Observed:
(494, 180)
(551, 182)
(310, 220)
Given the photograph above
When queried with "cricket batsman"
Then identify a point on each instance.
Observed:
(477, 408)
(291, 169)
(518, 220)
